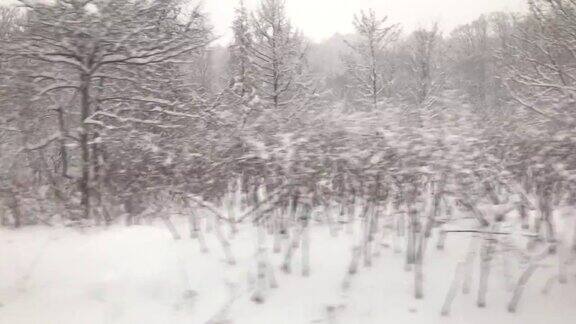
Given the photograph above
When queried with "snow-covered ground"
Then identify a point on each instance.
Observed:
(139, 274)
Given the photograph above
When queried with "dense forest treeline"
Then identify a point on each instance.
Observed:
(110, 107)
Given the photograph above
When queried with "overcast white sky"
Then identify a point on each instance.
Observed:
(319, 19)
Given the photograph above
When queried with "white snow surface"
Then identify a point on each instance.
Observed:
(139, 274)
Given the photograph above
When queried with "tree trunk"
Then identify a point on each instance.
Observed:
(367, 235)
(523, 216)
(470, 256)
(258, 296)
(224, 242)
(84, 184)
(306, 245)
(485, 258)
(14, 206)
(453, 289)
(520, 288)
(63, 133)
(441, 240)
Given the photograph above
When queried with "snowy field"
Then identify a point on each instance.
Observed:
(140, 274)
(397, 170)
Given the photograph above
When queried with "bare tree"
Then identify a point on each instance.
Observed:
(96, 44)
(278, 54)
(542, 77)
(424, 63)
(375, 35)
